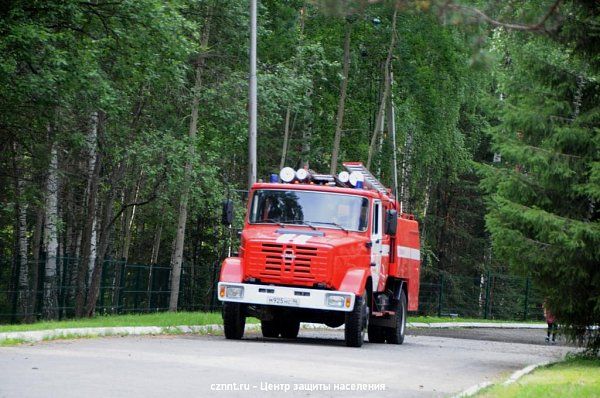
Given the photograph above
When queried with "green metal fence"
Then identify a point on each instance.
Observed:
(124, 288)
(487, 295)
(139, 288)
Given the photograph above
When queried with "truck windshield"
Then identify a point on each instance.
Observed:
(317, 209)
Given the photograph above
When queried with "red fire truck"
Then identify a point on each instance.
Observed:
(323, 249)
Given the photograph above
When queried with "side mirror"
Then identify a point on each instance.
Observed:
(391, 222)
(227, 215)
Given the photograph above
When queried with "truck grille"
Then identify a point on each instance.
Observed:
(287, 263)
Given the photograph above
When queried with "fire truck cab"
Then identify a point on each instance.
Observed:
(324, 249)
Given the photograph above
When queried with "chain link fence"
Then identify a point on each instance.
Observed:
(143, 288)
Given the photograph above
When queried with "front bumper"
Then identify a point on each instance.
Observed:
(317, 299)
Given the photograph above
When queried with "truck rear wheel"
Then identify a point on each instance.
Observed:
(356, 323)
(270, 328)
(290, 328)
(234, 320)
(395, 335)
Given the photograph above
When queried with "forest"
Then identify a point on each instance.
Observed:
(124, 125)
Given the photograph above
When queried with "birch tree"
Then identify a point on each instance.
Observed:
(50, 300)
(183, 204)
(342, 101)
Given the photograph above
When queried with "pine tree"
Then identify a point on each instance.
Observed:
(543, 205)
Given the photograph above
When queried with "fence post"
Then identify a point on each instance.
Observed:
(526, 307)
(121, 287)
(487, 295)
(150, 286)
(441, 295)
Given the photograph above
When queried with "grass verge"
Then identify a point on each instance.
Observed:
(165, 319)
(436, 319)
(162, 319)
(577, 377)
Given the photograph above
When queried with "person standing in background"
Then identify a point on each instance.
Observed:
(551, 321)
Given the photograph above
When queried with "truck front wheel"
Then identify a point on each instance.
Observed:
(234, 320)
(395, 335)
(356, 323)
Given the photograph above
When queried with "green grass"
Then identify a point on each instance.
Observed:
(154, 319)
(170, 319)
(11, 342)
(576, 377)
(435, 319)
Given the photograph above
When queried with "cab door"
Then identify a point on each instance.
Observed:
(376, 242)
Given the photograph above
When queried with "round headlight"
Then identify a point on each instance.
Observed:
(344, 176)
(301, 174)
(287, 174)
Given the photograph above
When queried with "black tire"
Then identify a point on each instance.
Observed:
(395, 335)
(356, 323)
(234, 320)
(289, 328)
(376, 334)
(270, 328)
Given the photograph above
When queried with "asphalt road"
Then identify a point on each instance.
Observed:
(430, 363)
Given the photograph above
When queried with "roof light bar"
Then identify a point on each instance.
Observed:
(301, 174)
(287, 174)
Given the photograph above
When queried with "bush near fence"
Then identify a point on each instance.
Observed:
(144, 288)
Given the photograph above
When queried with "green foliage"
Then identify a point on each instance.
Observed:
(543, 212)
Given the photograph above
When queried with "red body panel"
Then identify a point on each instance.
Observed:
(231, 270)
(408, 260)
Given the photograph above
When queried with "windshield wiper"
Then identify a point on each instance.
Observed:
(307, 223)
(271, 221)
(332, 223)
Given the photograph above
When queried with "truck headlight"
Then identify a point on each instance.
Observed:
(338, 300)
(234, 292)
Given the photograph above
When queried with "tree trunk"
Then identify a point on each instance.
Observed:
(181, 223)
(342, 103)
(286, 136)
(103, 242)
(386, 91)
(406, 172)
(35, 268)
(128, 219)
(24, 291)
(286, 133)
(88, 239)
(156, 243)
(23, 295)
(50, 301)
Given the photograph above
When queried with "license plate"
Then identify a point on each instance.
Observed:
(283, 301)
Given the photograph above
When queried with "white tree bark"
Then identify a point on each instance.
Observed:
(182, 219)
(24, 296)
(50, 307)
(406, 172)
(93, 148)
(342, 103)
(286, 137)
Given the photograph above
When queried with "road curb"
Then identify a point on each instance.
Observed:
(469, 392)
(53, 334)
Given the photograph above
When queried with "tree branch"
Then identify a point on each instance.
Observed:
(535, 27)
